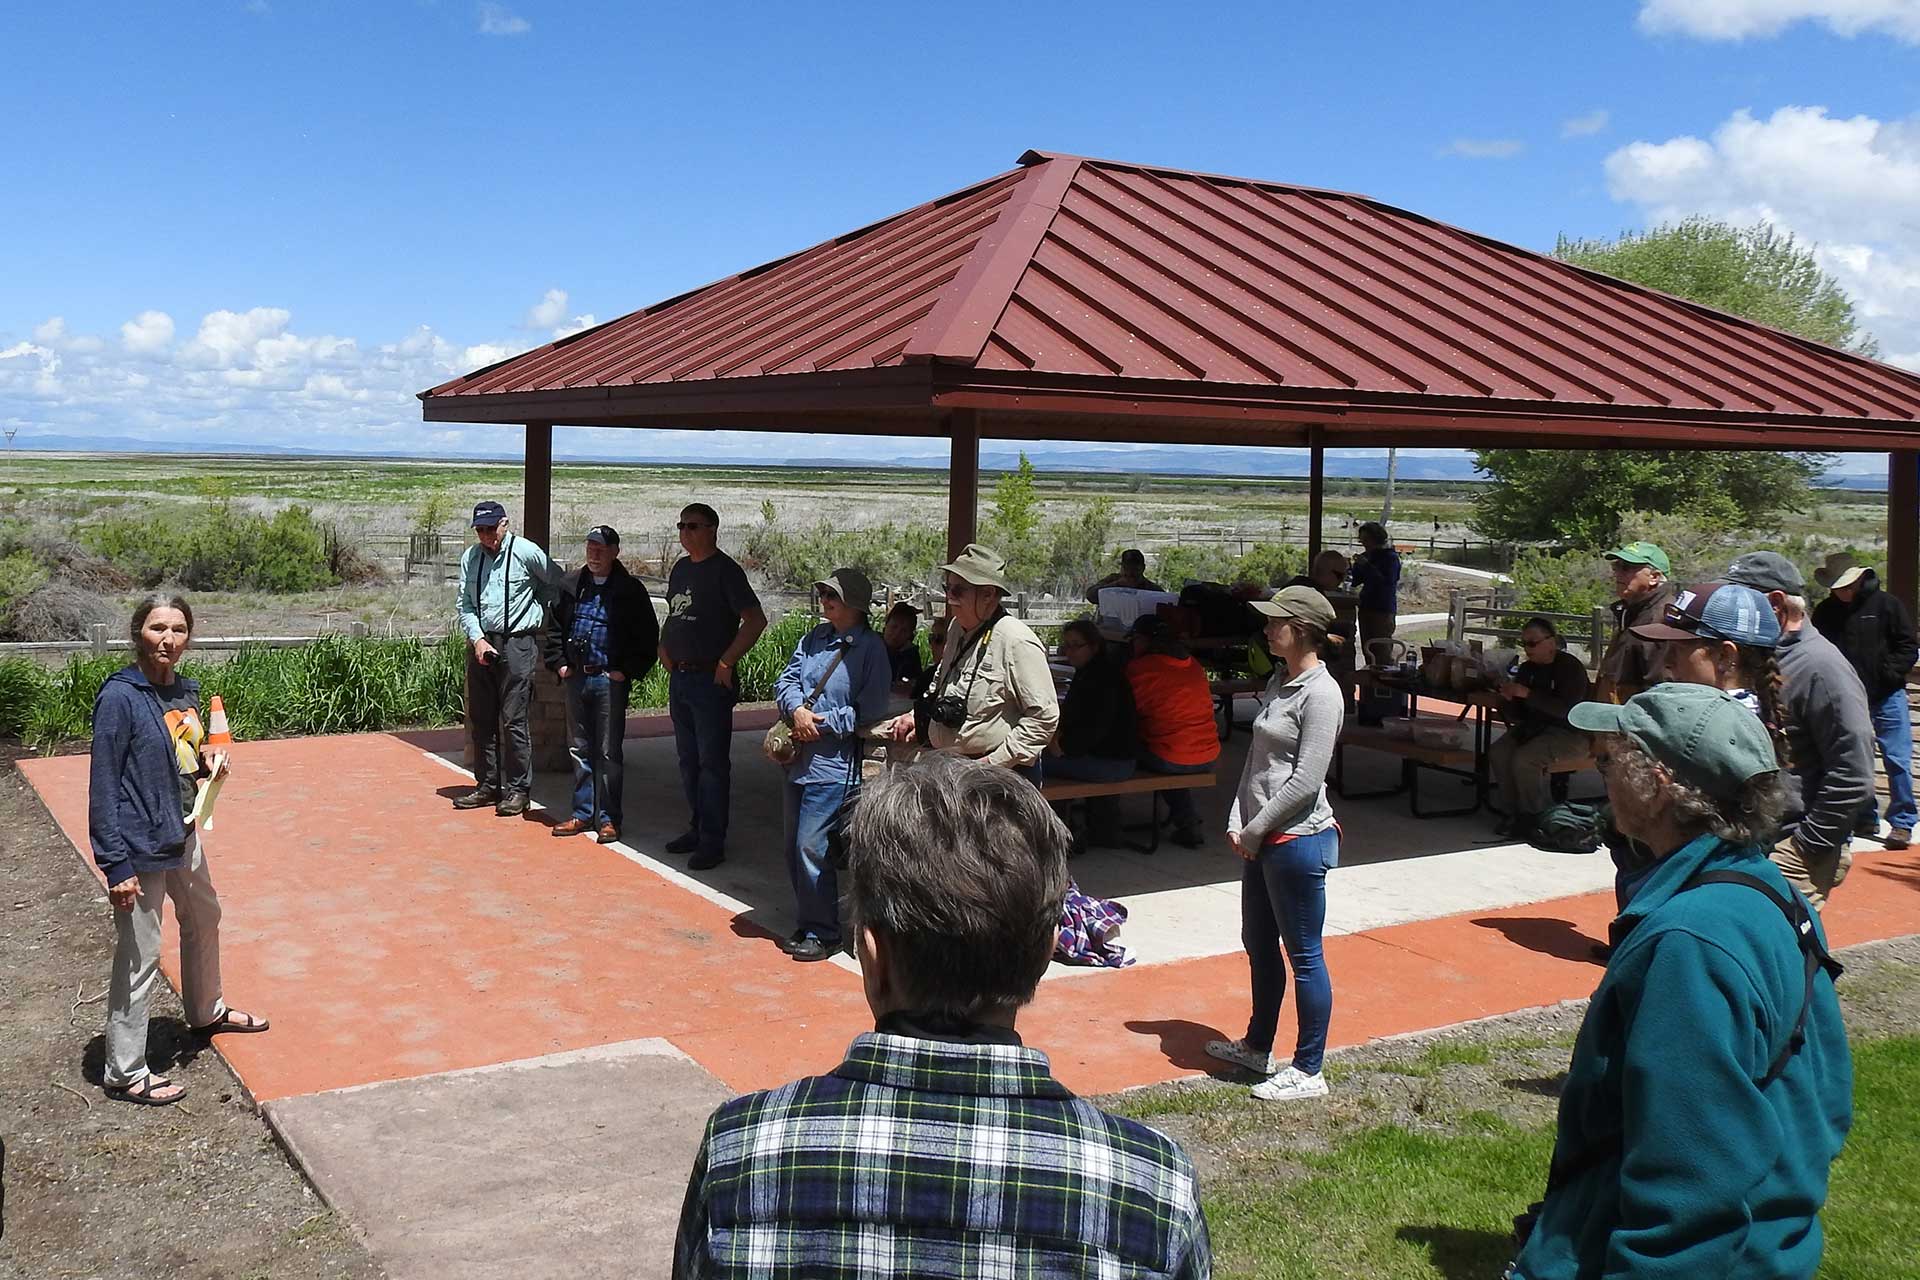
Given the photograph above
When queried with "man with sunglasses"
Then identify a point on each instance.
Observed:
(713, 618)
(1642, 594)
(1541, 689)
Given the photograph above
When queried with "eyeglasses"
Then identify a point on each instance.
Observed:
(1537, 641)
(693, 524)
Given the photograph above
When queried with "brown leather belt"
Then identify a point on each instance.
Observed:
(691, 666)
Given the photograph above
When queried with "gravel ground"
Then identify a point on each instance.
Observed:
(101, 1188)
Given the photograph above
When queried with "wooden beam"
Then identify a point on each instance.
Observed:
(963, 480)
(1316, 488)
(1903, 526)
(536, 508)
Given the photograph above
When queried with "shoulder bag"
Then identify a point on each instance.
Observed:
(778, 745)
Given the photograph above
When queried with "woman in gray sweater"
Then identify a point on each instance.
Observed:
(1283, 827)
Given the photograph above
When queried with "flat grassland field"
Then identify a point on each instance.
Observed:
(377, 504)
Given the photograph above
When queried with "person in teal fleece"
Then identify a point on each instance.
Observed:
(1695, 1136)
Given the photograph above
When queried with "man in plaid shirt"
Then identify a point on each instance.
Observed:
(942, 1146)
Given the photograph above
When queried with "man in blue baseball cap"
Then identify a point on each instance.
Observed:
(503, 578)
(1829, 733)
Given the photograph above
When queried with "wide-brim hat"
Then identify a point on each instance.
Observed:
(982, 566)
(1840, 570)
(1303, 603)
(850, 585)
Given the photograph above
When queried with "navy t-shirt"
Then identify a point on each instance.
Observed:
(704, 602)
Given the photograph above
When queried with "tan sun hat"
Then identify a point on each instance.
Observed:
(1839, 571)
(982, 566)
(1303, 603)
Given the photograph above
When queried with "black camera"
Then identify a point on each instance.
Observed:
(949, 709)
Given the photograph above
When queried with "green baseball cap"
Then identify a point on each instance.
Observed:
(1703, 735)
(1642, 553)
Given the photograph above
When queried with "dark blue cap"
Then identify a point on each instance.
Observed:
(488, 514)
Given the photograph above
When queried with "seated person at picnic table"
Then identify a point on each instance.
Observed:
(903, 655)
(1174, 705)
(1133, 573)
(1098, 740)
(1540, 690)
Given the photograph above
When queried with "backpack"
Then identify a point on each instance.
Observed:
(1570, 828)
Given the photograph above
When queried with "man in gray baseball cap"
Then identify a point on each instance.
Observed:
(1829, 733)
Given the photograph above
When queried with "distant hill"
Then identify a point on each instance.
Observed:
(1191, 460)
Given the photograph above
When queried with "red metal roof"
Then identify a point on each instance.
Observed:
(1085, 287)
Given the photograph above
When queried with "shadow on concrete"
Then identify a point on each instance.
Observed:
(1184, 1044)
(1550, 937)
(169, 1044)
(1458, 1252)
(1545, 1086)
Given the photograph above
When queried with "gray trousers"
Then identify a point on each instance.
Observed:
(136, 961)
(1520, 768)
(498, 694)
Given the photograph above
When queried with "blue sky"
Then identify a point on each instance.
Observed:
(277, 220)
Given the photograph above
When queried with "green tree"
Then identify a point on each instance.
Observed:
(1580, 496)
(1013, 525)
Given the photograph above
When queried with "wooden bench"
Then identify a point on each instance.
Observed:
(1062, 790)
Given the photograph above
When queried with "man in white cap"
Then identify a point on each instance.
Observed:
(1875, 632)
(992, 695)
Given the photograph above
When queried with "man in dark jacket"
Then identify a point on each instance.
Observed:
(604, 638)
(1829, 733)
(1875, 632)
(1631, 662)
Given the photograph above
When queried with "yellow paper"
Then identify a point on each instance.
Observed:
(209, 792)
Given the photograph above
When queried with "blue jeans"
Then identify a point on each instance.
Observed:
(1283, 903)
(596, 739)
(1180, 810)
(702, 711)
(810, 810)
(1893, 730)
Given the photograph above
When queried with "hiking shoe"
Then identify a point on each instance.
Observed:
(1899, 838)
(1241, 1054)
(571, 827)
(706, 859)
(685, 842)
(513, 805)
(477, 798)
(1290, 1085)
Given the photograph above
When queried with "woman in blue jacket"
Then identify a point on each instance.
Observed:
(147, 769)
(1711, 1085)
(853, 663)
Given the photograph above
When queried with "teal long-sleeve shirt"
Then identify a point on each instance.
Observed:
(500, 592)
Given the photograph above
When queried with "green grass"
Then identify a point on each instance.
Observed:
(1389, 1201)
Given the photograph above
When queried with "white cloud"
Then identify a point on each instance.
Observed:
(1585, 126)
(575, 325)
(1484, 148)
(1739, 19)
(549, 311)
(148, 333)
(498, 20)
(1850, 187)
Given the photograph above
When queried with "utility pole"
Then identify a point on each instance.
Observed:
(1393, 471)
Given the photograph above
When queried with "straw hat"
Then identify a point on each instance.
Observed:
(1839, 571)
(982, 566)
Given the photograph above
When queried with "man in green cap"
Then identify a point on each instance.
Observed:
(1630, 664)
(1711, 1085)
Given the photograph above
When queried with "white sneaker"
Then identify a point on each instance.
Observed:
(1241, 1055)
(1291, 1084)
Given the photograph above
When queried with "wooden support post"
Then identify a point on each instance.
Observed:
(1316, 489)
(963, 480)
(536, 508)
(1903, 526)
(97, 633)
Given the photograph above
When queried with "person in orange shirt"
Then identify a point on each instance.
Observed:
(1175, 711)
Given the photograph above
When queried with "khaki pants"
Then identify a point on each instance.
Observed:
(1520, 768)
(136, 961)
(1814, 876)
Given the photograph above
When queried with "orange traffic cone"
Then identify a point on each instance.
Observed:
(218, 735)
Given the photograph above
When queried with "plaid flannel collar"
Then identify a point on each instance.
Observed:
(942, 1066)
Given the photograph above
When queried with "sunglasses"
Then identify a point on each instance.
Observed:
(693, 524)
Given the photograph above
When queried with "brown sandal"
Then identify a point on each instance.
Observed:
(231, 1020)
(141, 1091)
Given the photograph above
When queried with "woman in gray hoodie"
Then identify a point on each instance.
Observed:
(147, 769)
(1283, 827)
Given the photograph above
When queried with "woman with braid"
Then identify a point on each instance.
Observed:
(1723, 635)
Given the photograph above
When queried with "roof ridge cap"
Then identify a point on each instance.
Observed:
(962, 320)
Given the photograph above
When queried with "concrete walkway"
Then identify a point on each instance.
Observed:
(493, 1051)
